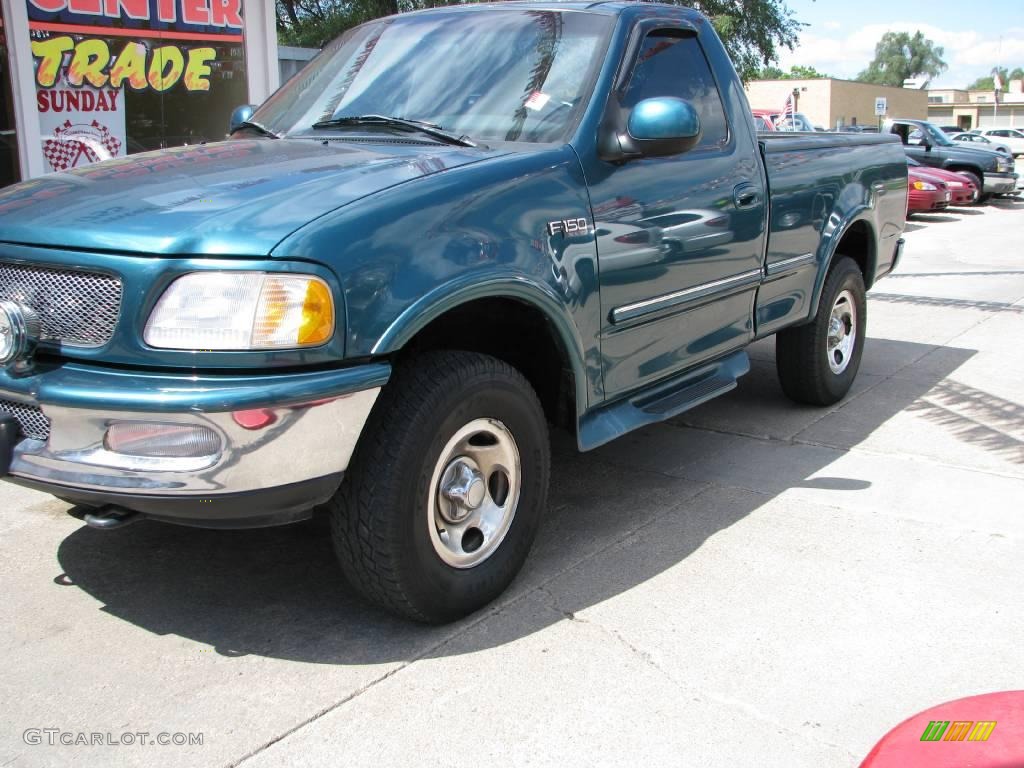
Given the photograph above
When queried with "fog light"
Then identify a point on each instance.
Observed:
(162, 441)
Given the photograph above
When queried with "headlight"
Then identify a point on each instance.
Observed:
(925, 186)
(242, 310)
(1003, 165)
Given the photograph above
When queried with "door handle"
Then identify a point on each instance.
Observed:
(879, 188)
(746, 196)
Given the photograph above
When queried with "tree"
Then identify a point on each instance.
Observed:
(796, 72)
(753, 30)
(770, 72)
(900, 56)
(989, 83)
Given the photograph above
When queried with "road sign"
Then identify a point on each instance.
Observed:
(881, 106)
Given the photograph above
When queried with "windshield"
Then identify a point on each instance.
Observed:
(489, 76)
(936, 135)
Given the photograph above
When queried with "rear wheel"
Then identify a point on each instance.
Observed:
(445, 492)
(818, 361)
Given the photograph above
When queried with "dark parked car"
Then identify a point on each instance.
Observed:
(991, 172)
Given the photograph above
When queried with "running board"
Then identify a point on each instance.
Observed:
(662, 401)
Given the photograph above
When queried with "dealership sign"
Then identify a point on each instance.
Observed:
(87, 53)
(174, 18)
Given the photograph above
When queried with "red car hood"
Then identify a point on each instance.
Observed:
(938, 174)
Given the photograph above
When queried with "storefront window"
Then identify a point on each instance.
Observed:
(115, 77)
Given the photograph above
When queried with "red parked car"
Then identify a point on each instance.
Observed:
(962, 189)
(926, 193)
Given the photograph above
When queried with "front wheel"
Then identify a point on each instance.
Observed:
(446, 489)
(818, 361)
(977, 185)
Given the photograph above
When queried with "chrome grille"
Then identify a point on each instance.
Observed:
(33, 423)
(77, 309)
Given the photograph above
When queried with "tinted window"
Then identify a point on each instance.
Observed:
(674, 65)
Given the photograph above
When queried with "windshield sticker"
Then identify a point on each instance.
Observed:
(536, 100)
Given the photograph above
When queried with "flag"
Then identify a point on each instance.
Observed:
(997, 86)
(788, 113)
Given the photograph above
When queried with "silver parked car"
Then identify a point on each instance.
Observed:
(977, 140)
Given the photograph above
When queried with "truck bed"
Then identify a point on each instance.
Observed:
(815, 182)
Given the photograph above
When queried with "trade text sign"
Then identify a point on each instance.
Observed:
(89, 56)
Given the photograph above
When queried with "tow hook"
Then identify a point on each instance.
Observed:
(109, 518)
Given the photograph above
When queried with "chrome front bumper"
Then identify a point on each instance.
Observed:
(275, 432)
(999, 185)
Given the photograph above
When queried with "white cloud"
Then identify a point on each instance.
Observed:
(968, 54)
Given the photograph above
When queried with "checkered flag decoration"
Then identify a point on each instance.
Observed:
(68, 145)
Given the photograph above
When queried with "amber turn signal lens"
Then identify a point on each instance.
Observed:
(317, 315)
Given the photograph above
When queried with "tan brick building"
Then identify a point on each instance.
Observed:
(829, 102)
(977, 109)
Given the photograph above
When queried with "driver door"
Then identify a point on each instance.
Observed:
(679, 238)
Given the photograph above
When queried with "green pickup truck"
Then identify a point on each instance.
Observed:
(453, 229)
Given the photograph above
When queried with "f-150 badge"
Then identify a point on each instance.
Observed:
(568, 227)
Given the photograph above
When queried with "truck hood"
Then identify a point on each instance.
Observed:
(988, 159)
(231, 198)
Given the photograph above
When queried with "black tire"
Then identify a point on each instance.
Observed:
(381, 515)
(801, 352)
(977, 183)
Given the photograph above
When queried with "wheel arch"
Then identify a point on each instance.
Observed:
(962, 167)
(493, 317)
(857, 239)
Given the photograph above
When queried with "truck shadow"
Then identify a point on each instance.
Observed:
(278, 592)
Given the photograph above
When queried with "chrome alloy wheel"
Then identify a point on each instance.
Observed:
(842, 332)
(474, 492)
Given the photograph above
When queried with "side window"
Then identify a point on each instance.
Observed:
(673, 64)
(999, 133)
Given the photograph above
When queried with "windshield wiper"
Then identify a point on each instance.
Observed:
(430, 129)
(256, 127)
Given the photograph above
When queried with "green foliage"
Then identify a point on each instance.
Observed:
(753, 30)
(989, 83)
(900, 55)
(796, 72)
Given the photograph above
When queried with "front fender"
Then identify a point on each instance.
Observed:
(408, 254)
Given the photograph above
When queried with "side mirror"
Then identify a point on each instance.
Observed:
(656, 127)
(239, 116)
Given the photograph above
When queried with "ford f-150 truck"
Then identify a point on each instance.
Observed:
(452, 229)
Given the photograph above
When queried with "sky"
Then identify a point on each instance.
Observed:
(841, 34)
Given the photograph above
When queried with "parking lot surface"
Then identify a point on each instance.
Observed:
(753, 583)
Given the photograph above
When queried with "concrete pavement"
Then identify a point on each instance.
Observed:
(753, 583)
